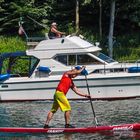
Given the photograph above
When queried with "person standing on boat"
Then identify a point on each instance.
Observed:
(60, 99)
(53, 32)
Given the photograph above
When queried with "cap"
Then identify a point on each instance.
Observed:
(54, 24)
(83, 72)
(78, 67)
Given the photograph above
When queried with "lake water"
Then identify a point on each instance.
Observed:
(33, 114)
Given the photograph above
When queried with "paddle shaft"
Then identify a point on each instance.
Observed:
(91, 102)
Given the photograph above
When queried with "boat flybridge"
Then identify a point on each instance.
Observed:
(34, 74)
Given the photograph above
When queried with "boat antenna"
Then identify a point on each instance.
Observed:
(91, 101)
(42, 25)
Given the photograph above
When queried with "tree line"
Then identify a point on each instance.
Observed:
(104, 18)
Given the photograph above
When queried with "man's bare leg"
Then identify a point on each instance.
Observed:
(67, 117)
(49, 117)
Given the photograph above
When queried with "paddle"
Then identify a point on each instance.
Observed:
(84, 72)
(91, 102)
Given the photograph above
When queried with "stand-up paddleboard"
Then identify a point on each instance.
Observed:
(122, 127)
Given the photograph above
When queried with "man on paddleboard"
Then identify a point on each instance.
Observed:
(60, 99)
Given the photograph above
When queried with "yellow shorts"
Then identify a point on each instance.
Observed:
(61, 101)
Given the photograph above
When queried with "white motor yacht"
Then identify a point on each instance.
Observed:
(47, 61)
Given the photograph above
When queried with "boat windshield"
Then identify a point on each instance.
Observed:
(105, 58)
(17, 64)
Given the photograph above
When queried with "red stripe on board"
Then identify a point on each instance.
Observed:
(126, 127)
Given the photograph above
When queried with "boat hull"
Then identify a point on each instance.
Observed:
(103, 88)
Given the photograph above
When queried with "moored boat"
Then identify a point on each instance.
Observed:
(107, 79)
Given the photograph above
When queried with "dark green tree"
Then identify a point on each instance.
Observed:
(11, 11)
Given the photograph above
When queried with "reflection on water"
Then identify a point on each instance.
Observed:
(33, 114)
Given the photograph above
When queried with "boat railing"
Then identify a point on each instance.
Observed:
(124, 65)
(137, 62)
(106, 69)
(33, 41)
(133, 63)
(130, 62)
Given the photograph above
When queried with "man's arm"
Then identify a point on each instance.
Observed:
(78, 92)
(57, 32)
(73, 72)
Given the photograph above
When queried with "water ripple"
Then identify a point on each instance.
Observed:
(33, 114)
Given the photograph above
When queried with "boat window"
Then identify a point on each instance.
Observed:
(76, 59)
(18, 65)
(71, 59)
(85, 59)
(62, 59)
(105, 58)
(33, 63)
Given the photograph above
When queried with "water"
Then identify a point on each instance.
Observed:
(33, 114)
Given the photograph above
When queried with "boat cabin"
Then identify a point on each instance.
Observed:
(54, 56)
